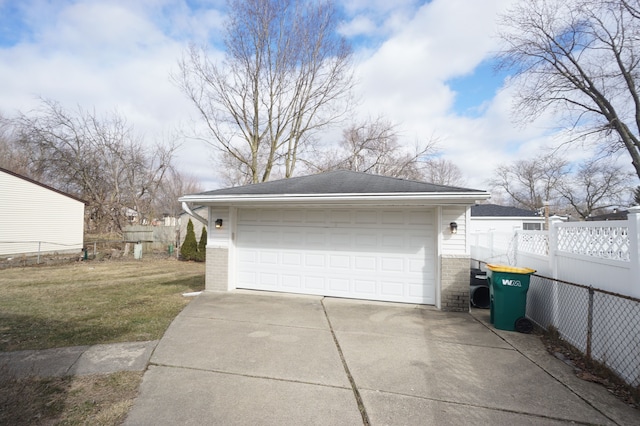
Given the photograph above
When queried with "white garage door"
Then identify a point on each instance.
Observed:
(375, 254)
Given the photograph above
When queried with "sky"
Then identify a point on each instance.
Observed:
(427, 66)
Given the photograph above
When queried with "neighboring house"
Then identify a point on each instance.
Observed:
(37, 218)
(491, 217)
(613, 215)
(342, 234)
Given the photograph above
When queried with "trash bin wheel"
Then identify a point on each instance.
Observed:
(524, 325)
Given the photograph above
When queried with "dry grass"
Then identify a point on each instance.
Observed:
(589, 369)
(95, 400)
(85, 303)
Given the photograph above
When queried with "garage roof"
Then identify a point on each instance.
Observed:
(336, 185)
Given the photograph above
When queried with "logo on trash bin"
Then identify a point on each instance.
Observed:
(512, 283)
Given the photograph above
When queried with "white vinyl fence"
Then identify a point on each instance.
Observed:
(603, 255)
(587, 284)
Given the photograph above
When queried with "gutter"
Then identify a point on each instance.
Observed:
(428, 197)
(187, 209)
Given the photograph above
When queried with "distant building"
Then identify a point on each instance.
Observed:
(492, 217)
(35, 218)
(613, 215)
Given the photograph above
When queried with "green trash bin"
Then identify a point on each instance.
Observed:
(508, 288)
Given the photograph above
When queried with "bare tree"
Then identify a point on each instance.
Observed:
(373, 146)
(595, 186)
(286, 75)
(530, 183)
(173, 186)
(444, 172)
(97, 159)
(11, 156)
(578, 58)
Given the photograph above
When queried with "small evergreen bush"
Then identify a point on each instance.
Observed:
(201, 256)
(189, 249)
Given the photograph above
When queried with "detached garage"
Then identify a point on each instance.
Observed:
(342, 234)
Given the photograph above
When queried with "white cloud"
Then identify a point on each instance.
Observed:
(406, 80)
(119, 54)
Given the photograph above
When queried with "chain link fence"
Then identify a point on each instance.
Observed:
(604, 326)
(51, 253)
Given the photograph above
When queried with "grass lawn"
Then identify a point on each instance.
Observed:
(85, 303)
(91, 302)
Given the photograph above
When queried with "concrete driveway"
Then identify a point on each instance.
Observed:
(273, 359)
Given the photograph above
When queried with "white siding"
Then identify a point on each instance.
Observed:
(455, 244)
(501, 224)
(219, 237)
(30, 213)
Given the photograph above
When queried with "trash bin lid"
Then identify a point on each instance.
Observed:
(510, 269)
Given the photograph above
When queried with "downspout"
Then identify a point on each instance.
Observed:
(190, 212)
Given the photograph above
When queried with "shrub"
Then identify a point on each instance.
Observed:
(189, 249)
(201, 256)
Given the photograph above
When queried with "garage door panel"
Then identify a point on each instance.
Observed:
(340, 285)
(340, 216)
(342, 239)
(334, 252)
(293, 216)
(364, 288)
(268, 258)
(392, 289)
(315, 239)
(365, 263)
(392, 264)
(393, 242)
(314, 260)
(315, 217)
(416, 265)
(292, 258)
(393, 217)
(269, 279)
(292, 282)
(367, 217)
(292, 237)
(314, 283)
(365, 240)
(340, 261)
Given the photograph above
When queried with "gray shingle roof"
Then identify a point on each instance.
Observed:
(481, 210)
(338, 182)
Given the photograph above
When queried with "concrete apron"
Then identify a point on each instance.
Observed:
(256, 358)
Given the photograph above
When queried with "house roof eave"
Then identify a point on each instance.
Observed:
(432, 199)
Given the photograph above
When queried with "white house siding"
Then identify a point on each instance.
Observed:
(502, 224)
(219, 237)
(455, 244)
(34, 218)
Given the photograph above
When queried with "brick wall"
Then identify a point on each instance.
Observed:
(454, 272)
(217, 272)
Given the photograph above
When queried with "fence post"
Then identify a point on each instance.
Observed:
(39, 246)
(515, 248)
(552, 242)
(490, 243)
(589, 322)
(633, 227)
(553, 245)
